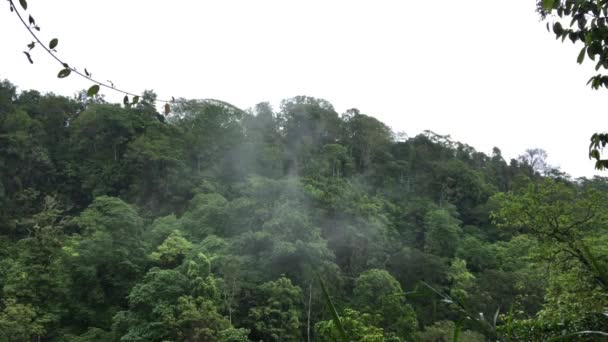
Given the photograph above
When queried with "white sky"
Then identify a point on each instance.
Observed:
(484, 71)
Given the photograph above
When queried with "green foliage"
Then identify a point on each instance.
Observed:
(278, 318)
(444, 331)
(117, 223)
(19, 322)
(357, 326)
(376, 292)
(442, 234)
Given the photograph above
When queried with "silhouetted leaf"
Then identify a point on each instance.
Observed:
(31, 45)
(93, 90)
(29, 58)
(125, 100)
(64, 73)
(558, 29)
(53, 43)
(23, 4)
(31, 20)
(581, 56)
(37, 28)
(86, 72)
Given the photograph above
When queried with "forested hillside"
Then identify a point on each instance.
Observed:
(118, 223)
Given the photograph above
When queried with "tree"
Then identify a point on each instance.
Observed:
(536, 159)
(358, 327)
(442, 234)
(106, 259)
(585, 21)
(277, 316)
(570, 222)
(443, 331)
(376, 292)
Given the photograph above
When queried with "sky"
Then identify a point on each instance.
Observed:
(485, 72)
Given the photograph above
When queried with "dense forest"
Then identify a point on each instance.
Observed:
(214, 223)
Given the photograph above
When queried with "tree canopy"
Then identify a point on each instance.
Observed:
(215, 223)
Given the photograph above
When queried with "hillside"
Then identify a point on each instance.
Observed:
(210, 224)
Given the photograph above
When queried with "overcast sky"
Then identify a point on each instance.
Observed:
(486, 72)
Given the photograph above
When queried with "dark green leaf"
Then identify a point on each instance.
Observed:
(167, 109)
(29, 58)
(23, 4)
(93, 90)
(64, 73)
(558, 29)
(135, 99)
(125, 100)
(53, 43)
(581, 56)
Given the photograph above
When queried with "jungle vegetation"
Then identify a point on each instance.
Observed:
(213, 223)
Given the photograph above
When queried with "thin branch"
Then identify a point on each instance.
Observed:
(109, 86)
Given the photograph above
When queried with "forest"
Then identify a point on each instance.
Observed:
(118, 223)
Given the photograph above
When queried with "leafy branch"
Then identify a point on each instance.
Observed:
(67, 70)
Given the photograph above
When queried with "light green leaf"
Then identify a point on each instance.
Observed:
(93, 90)
(548, 5)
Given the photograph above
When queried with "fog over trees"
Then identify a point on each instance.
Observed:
(119, 223)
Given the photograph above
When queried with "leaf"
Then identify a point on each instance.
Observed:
(93, 90)
(457, 330)
(86, 72)
(31, 45)
(135, 99)
(37, 28)
(53, 43)
(581, 56)
(64, 73)
(496, 317)
(31, 20)
(548, 5)
(125, 100)
(558, 29)
(334, 314)
(23, 4)
(167, 109)
(29, 58)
